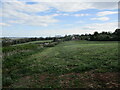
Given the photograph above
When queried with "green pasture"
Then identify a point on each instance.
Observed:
(68, 64)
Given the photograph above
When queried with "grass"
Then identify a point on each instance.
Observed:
(68, 64)
(18, 47)
(33, 42)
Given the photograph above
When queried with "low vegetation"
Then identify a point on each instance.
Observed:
(77, 63)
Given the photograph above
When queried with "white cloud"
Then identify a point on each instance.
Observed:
(105, 5)
(65, 14)
(22, 6)
(77, 6)
(80, 22)
(20, 13)
(61, 6)
(78, 15)
(101, 18)
(66, 0)
(102, 27)
(106, 13)
(70, 7)
(4, 24)
(35, 20)
(61, 14)
(119, 25)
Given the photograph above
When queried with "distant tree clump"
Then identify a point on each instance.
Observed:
(106, 36)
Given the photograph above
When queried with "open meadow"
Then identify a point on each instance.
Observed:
(76, 64)
(59, 44)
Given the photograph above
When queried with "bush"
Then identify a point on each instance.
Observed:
(7, 81)
(50, 44)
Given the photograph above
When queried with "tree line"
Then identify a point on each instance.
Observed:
(103, 36)
(106, 36)
(8, 41)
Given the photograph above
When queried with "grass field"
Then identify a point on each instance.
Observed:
(83, 64)
(32, 42)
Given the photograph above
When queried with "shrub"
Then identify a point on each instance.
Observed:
(50, 44)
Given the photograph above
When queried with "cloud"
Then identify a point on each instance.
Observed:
(105, 5)
(104, 13)
(4, 24)
(20, 13)
(66, 0)
(80, 22)
(118, 25)
(77, 6)
(56, 14)
(35, 20)
(101, 18)
(78, 15)
(102, 27)
(69, 7)
(23, 7)
(61, 6)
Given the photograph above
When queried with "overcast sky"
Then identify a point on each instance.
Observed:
(27, 19)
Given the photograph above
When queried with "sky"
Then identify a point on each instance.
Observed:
(46, 19)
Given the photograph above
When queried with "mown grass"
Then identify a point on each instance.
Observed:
(45, 67)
